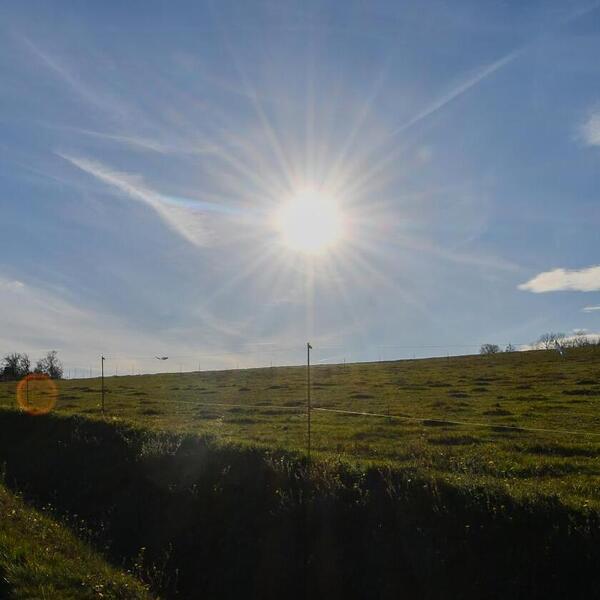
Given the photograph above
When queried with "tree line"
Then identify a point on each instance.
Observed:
(17, 365)
(548, 341)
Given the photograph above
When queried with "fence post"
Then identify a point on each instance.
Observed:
(308, 405)
(102, 377)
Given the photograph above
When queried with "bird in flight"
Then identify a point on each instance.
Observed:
(161, 357)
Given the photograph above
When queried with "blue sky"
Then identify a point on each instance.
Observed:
(145, 148)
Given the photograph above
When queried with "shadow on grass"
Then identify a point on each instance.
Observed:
(218, 521)
(5, 587)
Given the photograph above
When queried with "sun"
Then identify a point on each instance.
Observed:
(310, 222)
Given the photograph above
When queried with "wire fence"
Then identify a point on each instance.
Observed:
(258, 354)
(436, 418)
(443, 420)
(264, 354)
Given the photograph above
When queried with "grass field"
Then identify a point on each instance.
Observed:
(39, 558)
(527, 422)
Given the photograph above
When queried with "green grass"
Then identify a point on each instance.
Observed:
(42, 559)
(470, 420)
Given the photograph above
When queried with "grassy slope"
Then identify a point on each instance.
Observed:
(40, 558)
(537, 390)
(224, 521)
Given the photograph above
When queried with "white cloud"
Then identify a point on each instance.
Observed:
(576, 280)
(11, 285)
(182, 220)
(590, 130)
(589, 309)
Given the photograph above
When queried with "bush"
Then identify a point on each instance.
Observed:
(489, 349)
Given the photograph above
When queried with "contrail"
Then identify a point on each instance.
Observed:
(490, 70)
(460, 90)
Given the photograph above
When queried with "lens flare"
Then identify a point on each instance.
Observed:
(37, 394)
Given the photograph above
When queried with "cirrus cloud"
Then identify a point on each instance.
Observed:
(184, 221)
(560, 280)
(590, 130)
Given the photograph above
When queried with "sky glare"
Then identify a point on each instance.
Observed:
(146, 149)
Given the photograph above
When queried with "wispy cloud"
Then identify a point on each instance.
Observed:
(558, 280)
(44, 318)
(91, 95)
(138, 142)
(174, 145)
(590, 131)
(183, 220)
(589, 309)
(41, 321)
(11, 285)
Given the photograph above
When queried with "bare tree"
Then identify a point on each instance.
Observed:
(489, 349)
(548, 341)
(50, 365)
(510, 348)
(15, 365)
(25, 365)
(579, 339)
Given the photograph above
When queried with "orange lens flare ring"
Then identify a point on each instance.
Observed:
(37, 394)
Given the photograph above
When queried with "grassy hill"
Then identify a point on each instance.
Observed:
(525, 422)
(39, 558)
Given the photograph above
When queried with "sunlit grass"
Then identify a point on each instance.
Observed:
(467, 419)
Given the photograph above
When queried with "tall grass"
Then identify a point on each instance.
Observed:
(40, 558)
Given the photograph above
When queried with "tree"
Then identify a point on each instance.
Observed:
(579, 339)
(15, 365)
(510, 348)
(25, 365)
(548, 341)
(50, 365)
(489, 349)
